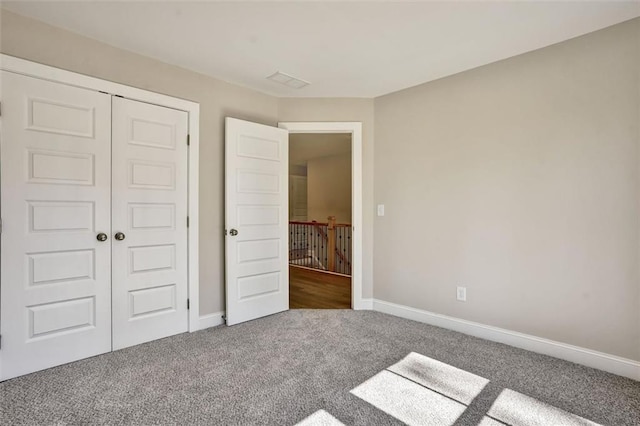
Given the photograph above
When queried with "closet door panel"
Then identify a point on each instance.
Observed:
(150, 211)
(55, 198)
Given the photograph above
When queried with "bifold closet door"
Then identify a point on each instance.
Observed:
(56, 188)
(149, 220)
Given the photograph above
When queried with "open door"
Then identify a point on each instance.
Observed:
(256, 220)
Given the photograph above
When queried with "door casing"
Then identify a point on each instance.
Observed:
(355, 129)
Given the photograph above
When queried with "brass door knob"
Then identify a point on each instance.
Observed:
(119, 236)
(101, 237)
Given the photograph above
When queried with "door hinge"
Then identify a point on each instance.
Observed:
(0, 225)
(187, 303)
(0, 109)
(188, 140)
(187, 221)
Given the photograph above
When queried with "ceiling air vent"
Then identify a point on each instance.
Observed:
(287, 80)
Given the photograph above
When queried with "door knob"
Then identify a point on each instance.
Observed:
(233, 232)
(101, 236)
(119, 236)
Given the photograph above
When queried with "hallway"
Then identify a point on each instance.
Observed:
(309, 289)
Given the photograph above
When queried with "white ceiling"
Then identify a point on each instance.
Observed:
(344, 49)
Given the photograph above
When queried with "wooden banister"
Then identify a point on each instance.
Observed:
(313, 222)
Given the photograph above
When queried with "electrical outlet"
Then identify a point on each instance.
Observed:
(461, 294)
(380, 209)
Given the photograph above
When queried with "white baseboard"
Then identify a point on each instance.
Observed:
(211, 320)
(590, 358)
(363, 305)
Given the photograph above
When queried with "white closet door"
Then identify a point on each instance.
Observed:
(150, 211)
(55, 294)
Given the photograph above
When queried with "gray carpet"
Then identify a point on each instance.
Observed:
(281, 369)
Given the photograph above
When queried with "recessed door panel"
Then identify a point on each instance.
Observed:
(152, 134)
(53, 116)
(61, 266)
(60, 216)
(262, 148)
(152, 216)
(258, 250)
(62, 317)
(152, 258)
(61, 168)
(251, 181)
(258, 285)
(149, 210)
(151, 175)
(152, 300)
(55, 302)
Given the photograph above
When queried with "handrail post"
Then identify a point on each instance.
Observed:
(331, 244)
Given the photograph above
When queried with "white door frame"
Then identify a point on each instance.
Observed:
(355, 129)
(45, 72)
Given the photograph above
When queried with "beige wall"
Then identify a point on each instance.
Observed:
(35, 41)
(520, 181)
(329, 188)
(345, 109)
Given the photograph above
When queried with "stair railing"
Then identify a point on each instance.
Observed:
(325, 246)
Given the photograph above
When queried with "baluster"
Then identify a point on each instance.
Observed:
(331, 243)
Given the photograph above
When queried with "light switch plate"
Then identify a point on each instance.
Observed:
(461, 294)
(380, 209)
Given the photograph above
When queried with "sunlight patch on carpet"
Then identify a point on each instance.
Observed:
(516, 409)
(419, 390)
(407, 401)
(320, 418)
(446, 379)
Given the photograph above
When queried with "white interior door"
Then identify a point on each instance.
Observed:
(256, 220)
(55, 300)
(149, 222)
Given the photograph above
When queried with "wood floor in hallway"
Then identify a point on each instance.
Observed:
(309, 289)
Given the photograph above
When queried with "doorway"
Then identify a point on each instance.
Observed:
(320, 219)
(256, 215)
(350, 133)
